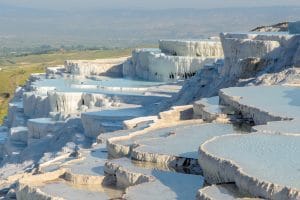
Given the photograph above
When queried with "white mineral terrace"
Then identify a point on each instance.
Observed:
(222, 191)
(108, 129)
(169, 145)
(63, 98)
(153, 65)
(281, 37)
(235, 158)
(280, 104)
(209, 110)
(110, 120)
(291, 127)
(82, 175)
(200, 48)
(245, 53)
(95, 67)
(51, 186)
(92, 163)
(151, 183)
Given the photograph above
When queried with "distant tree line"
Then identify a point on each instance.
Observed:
(45, 48)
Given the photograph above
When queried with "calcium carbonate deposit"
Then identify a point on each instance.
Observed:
(207, 119)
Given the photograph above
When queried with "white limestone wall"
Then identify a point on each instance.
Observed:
(72, 102)
(149, 64)
(39, 105)
(18, 134)
(95, 67)
(28, 186)
(243, 56)
(36, 105)
(245, 48)
(259, 50)
(248, 111)
(52, 71)
(41, 127)
(196, 48)
(108, 120)
(95, 125)
(283, 38)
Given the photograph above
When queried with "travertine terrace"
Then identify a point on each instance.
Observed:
(195, 119)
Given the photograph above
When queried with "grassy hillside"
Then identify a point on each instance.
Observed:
(15, 70)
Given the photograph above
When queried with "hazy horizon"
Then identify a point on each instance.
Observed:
(128, 23)
(138, 4)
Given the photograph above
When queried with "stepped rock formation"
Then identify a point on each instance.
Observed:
(209, 119)
(174, 60)
(110, 67)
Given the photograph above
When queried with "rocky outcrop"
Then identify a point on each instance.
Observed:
(280, 27)
(290, 77)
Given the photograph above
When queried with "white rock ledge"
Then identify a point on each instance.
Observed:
(252, 102)
(235, 158)
(150, 183)
(152, 65)
(95, 67)
(196, 48)
(168, 149)
(222, 192)
(291, 127)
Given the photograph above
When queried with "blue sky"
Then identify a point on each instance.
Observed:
(153, 4)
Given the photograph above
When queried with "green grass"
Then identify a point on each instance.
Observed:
(57, 58)
(16, 69)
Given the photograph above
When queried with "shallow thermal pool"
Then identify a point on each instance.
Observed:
(67, 82)
(192, 135)
(78, 192)
(280, 127)
(268, 157)
(281, 101)
(173, 185)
